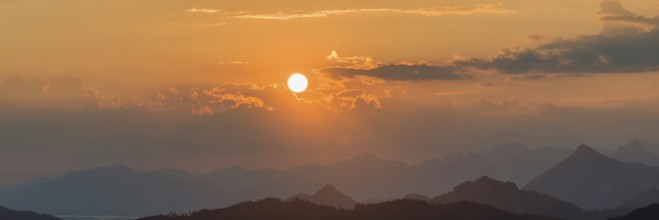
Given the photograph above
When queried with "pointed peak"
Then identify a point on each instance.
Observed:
(585, 150)
(328, 187)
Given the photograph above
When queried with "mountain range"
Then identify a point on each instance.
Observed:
(586, 179)
(120, 190)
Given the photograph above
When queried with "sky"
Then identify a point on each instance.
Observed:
(201, 84)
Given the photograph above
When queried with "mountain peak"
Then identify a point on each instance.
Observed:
(483, 183)
(585, 151)
(637, 153)
(330, 196)
(329, 189)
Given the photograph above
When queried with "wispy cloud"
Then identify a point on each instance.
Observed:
(202, 10)
(430, 12)
(234, 62)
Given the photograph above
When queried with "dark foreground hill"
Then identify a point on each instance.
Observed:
(328, 195)
(8, 214)
(395, 210)
(650, 212)
(507, 196)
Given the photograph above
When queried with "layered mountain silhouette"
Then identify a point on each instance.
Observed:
(507, 196)
(119, 190)
(394, 210)
(8, 214)
(637, 152)
(594, 181)
(329, 196)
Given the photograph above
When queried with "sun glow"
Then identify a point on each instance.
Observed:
(297, 83)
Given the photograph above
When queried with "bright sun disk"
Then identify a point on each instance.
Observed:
(297, 83)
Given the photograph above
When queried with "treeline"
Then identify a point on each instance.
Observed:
(273, 208)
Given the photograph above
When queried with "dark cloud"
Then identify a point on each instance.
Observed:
(628, 43)
(613, 11)
(619, 48)
(403, 72)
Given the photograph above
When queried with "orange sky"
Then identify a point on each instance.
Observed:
(200, 84)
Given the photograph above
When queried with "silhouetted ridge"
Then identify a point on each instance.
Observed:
(650, 212)
(585, 151)
(506, 195)
(414, 196)
(328, 195)
(8, 214)
(393, 210)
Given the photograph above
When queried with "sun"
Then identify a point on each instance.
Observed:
(297, 83)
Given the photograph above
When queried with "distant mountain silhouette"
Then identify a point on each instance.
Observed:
(114, 190)
(394, 210)
(124, 191)
(509, 161)
(329, 196)
(8, 214)
(595, 181)
(650, 212)
(507, 196)
(637, 153)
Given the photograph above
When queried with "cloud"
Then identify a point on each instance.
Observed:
(234, 62)
(403, 72)
(620, 47)
(360, 62)
(339, 94)
(203, 10)
(366, 66)
(628, 43)
(619, 18)
(430, 12)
